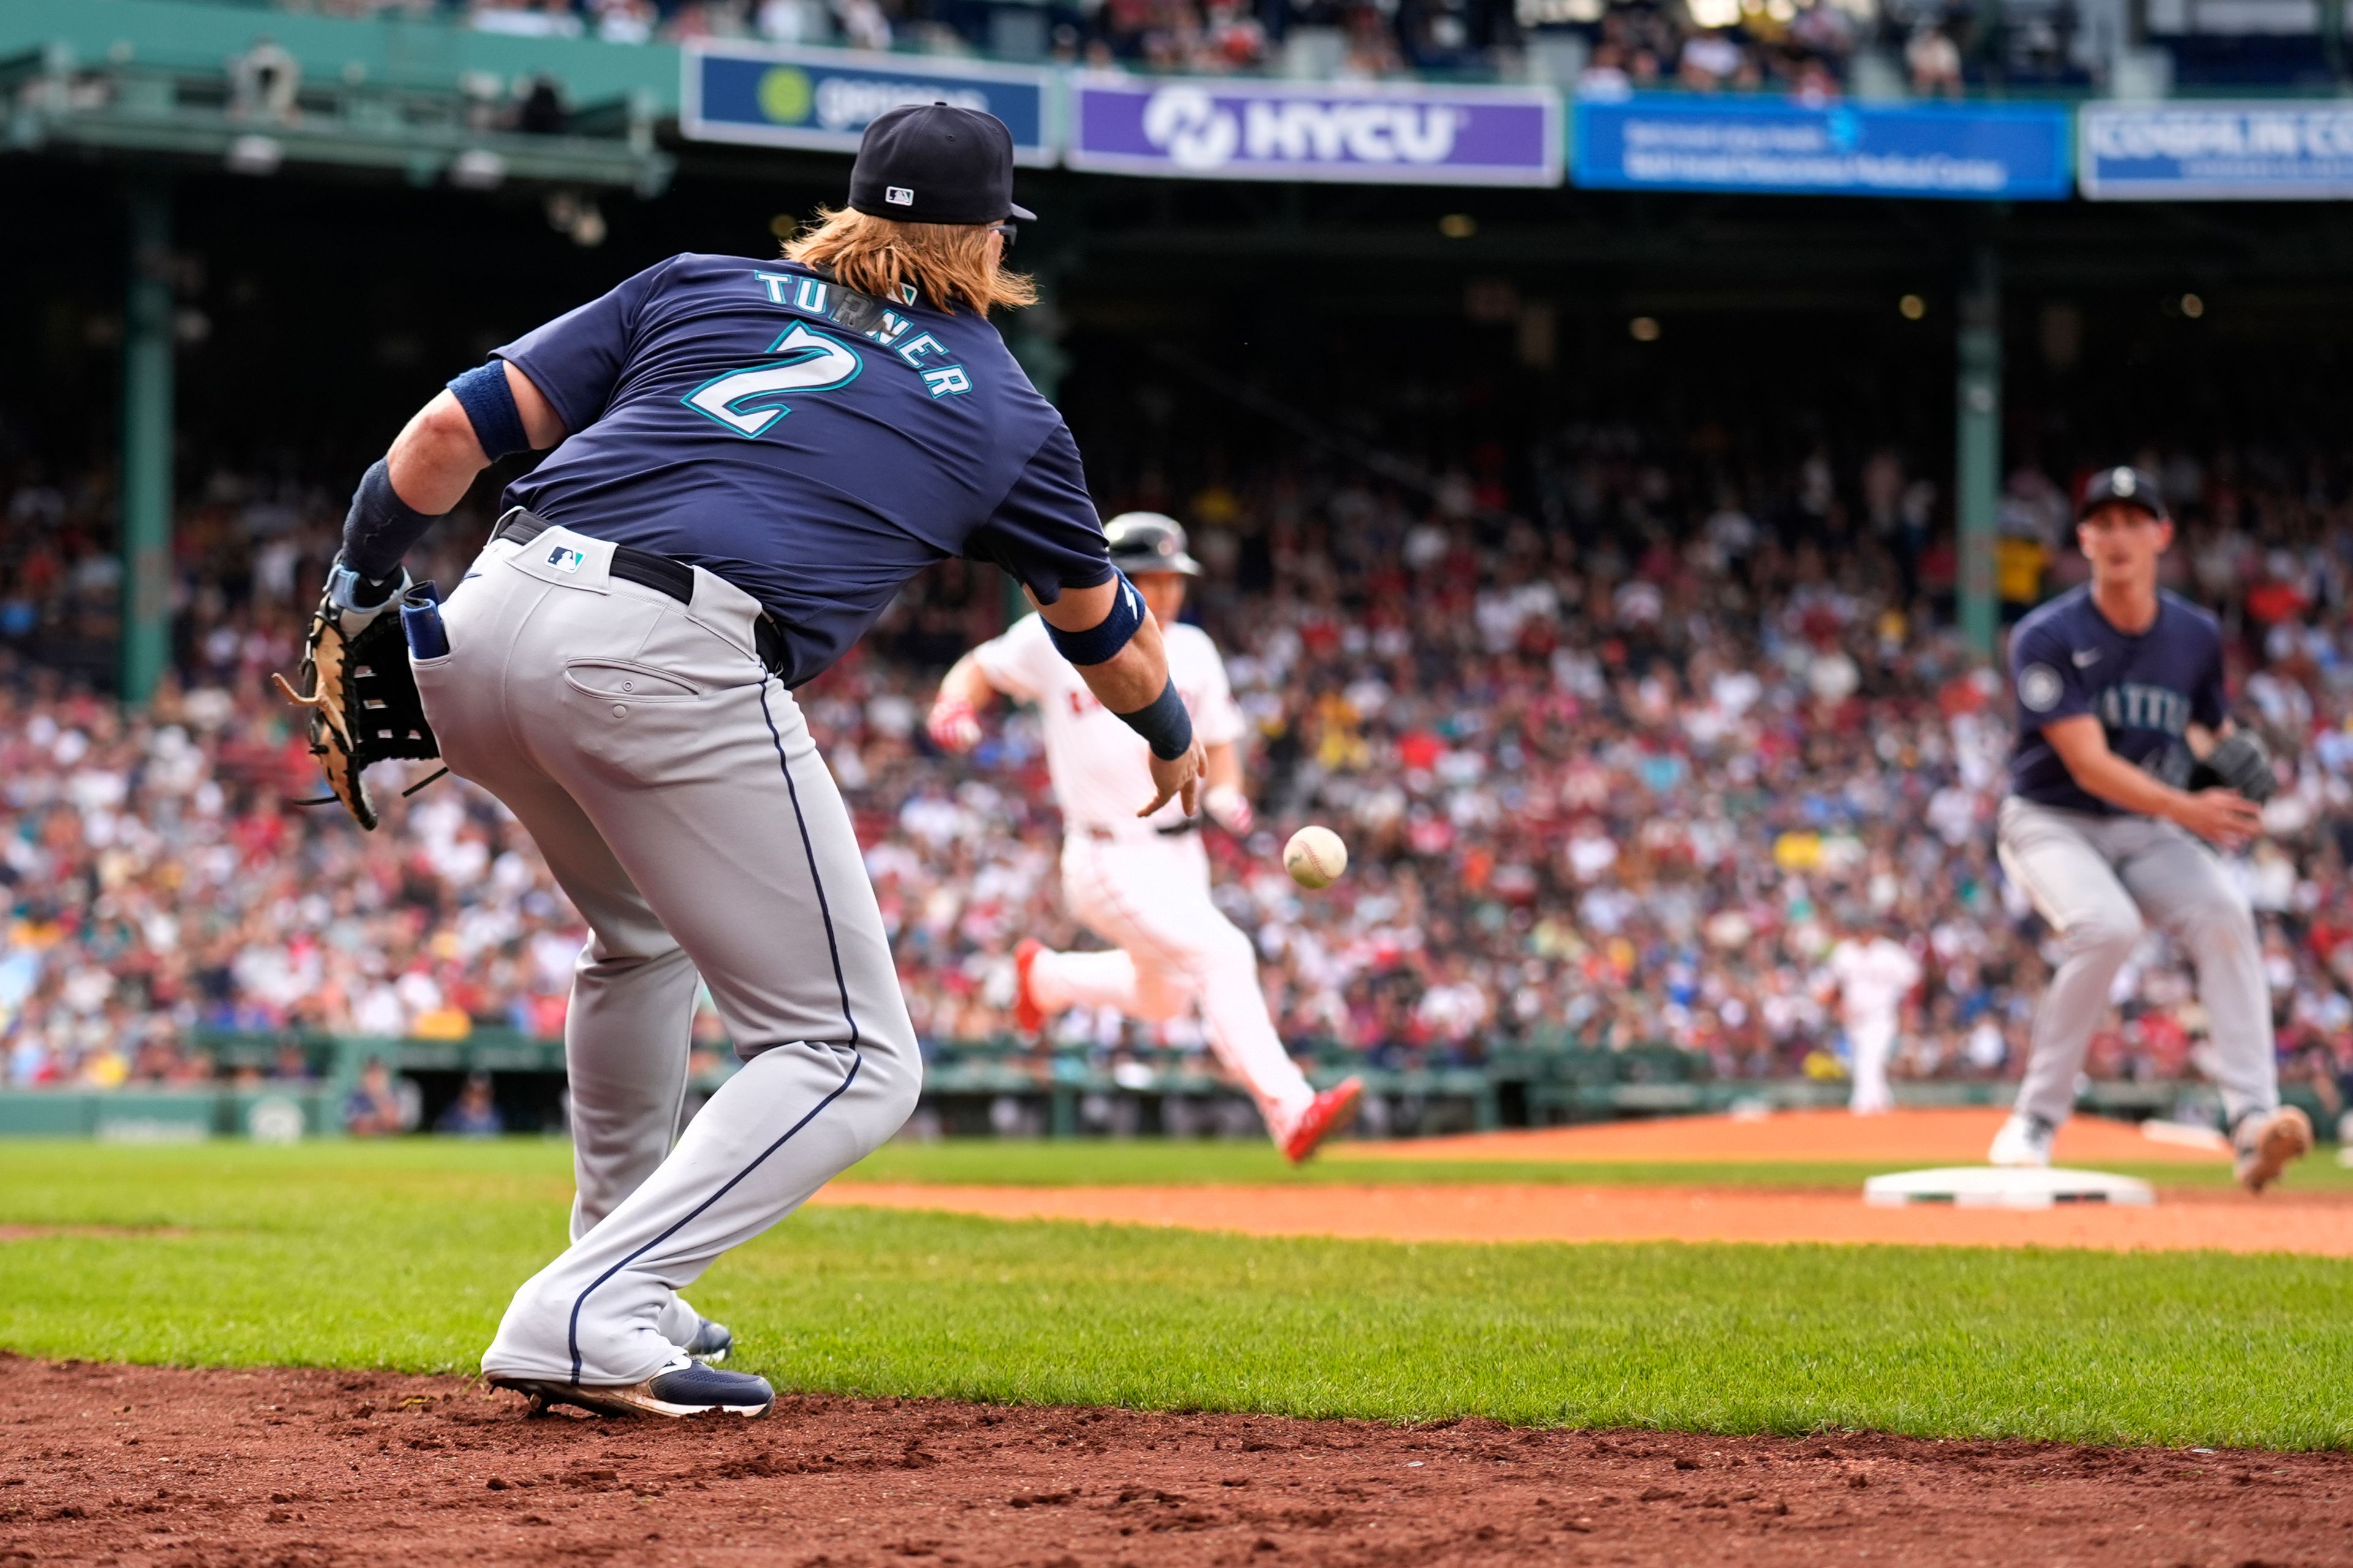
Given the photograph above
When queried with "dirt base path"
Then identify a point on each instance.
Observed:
(2231, 1221)
(1903, 1139)
(142, 1466)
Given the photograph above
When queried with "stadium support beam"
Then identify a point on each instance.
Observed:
(147, 328)
(1977, 446)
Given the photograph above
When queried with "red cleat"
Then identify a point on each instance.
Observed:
(1329, 1112)
(1027, 1016)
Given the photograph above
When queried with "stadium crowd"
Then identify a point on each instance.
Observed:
(1622, 741)
(1795, 46)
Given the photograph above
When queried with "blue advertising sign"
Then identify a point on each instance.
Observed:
(1366, 133)
(824, 99)
(2225, 152)
(1973, 153)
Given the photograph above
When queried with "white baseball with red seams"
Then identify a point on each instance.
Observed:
(1316, 857)
(1144, 884)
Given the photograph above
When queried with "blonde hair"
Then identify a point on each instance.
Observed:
(946, 263)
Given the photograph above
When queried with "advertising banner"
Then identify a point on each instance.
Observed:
(1219, 129)
(1974, 152)
(2221, 152)
(824, 99)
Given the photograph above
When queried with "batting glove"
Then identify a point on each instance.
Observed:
(954, 726)
(1230, 808)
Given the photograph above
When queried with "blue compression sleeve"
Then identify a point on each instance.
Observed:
(1165, 725)
(1098, 643)
(489, 402)
(380, 527)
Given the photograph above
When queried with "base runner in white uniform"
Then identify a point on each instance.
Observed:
(1874, 974)
(1143, 884)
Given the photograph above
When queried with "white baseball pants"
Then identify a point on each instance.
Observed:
(1148, 894)
(2097, 880)
(676, 793)
(1870, 1038)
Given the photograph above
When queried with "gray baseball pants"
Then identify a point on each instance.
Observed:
(671, 784)
(2098, 880)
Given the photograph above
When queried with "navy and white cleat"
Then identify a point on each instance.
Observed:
(711, 1344)
(683, 1390)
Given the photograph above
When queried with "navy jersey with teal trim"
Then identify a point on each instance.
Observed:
(2065, 658)
(719, 416)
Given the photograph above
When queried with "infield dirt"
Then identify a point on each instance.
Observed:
(239, 1469)
(2221, 1220)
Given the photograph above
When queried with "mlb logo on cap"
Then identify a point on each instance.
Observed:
(934, 162)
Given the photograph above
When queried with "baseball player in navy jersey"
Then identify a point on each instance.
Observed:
(749, 458)
(2122, 717)
(1143, 884)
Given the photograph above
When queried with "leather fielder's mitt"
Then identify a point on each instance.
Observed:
(363, 701)
(2238, 762)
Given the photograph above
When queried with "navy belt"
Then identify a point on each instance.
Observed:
(648, 569)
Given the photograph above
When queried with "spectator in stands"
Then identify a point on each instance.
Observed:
(1604, 78)
(546, 19)
(626, 21)
(475, 1113)
(1934, 61)
(1603, 750)
(1709, 60)
(374, 1108)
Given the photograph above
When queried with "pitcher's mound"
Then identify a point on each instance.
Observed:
(1903, 1137)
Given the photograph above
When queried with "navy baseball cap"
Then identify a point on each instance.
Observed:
(932, 162)
(2126, 484)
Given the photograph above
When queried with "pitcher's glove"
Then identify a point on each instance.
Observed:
(356, 682)
(2238, 762)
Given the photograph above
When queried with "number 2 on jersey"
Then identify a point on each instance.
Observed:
(747, 401)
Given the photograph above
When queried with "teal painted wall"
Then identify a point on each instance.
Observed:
(419, 53)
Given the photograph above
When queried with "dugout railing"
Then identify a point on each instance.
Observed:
(1004, 1088)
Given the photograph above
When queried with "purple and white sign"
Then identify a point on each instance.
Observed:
(1217, 129)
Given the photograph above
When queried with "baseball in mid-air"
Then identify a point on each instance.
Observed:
(1314, 857)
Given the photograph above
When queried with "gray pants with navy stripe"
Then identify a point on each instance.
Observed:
(2099, 880)
(677, 798)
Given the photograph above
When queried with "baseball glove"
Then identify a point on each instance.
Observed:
(2238, 762)
(356, 682)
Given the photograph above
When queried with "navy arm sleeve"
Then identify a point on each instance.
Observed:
(1046, 532)
(2044, 679)
(575, 359)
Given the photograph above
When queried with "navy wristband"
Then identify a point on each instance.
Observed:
(1165, 725)
(489, 402)
(1098, 644)
(380, 527)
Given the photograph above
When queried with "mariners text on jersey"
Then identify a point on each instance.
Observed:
(2145, 689)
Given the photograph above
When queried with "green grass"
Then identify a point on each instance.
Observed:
(402, 1254)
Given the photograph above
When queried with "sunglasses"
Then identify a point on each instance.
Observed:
(1011, 232)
